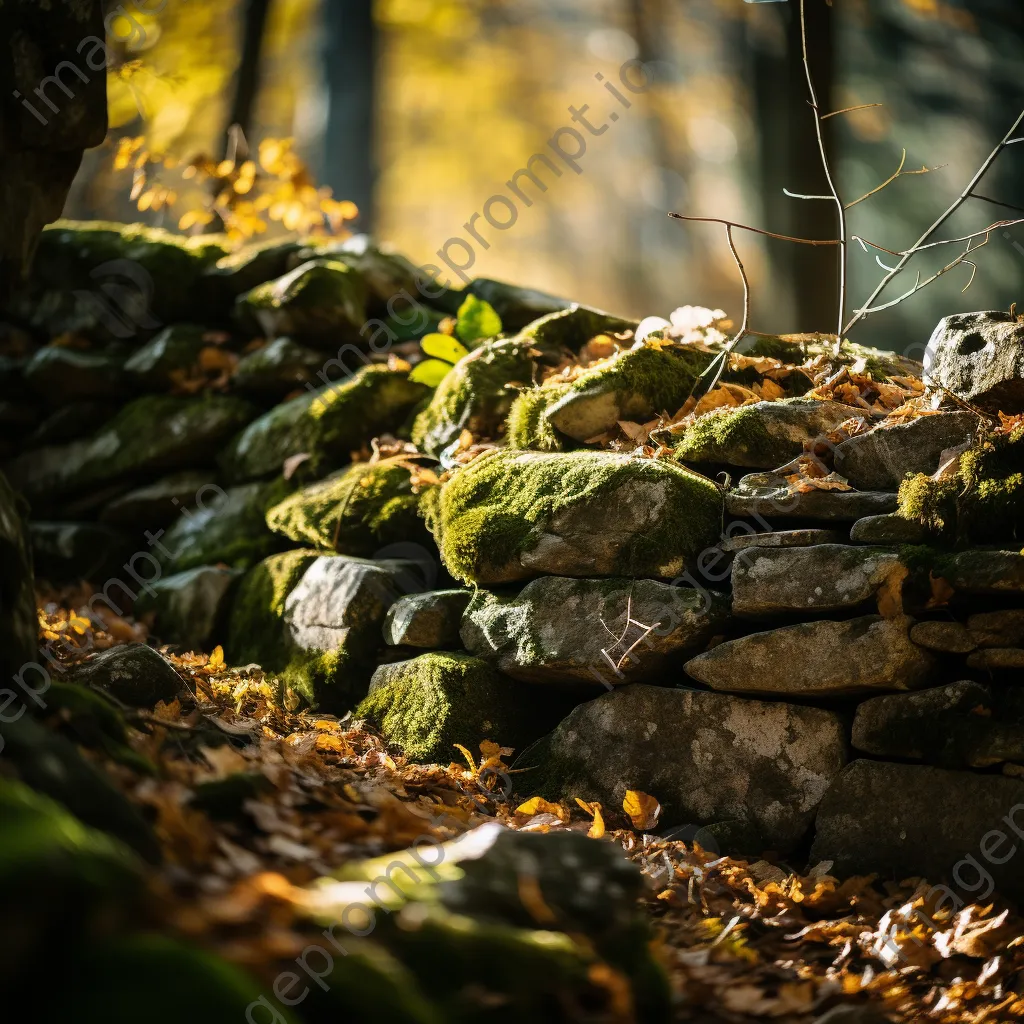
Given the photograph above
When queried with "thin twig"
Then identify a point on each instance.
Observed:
(850, 110)
(757, 231)
(997, 202)
(965, 238)
(1007, 140)
(840, 209)
(900, 173)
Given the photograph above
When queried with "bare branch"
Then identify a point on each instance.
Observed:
(965, 238)
(797, 195)
(865, 242)
(840, 209)
(757, 231)
(888, 181)
(850, 110)
(1007, 140)
(997, 202)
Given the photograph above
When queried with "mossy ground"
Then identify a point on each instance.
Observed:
(475, 395)
(434, 701)
(491, 510)
(527, 427)
(983, 502)
(354, 513)
(721, 433)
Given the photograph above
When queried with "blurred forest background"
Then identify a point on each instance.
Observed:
(419, 110)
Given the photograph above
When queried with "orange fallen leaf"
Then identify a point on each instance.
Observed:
(941, 591)
(642, 808)
(538, 805)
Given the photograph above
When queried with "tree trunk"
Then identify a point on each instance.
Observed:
(247, 78)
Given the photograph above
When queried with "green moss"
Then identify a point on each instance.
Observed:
(426, 705)
(527, 427)
(797, 348)
(717, 436)
(254, 633)
(322, 301)
(329, 424)
(476, 394)
(983, 502)
(355, 512)
(571, 329)
(497, 506)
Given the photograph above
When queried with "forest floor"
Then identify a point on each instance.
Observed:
(740, 940)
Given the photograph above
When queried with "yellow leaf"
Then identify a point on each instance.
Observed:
(467, 755)
(597, 829)
(441, 346)
(642, 808)
(489, 748)
(890, 593)
(430, 372)
(216, 658)
(538, 805)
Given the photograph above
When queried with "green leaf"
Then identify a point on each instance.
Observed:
(430, 372)
(443, 346)
(477, 320)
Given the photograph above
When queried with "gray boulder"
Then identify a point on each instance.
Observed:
(998, 629)
(61, 375)
(819, 659)
(887, 529)
(566, 630)
(133, 673)
(767, 496)
(756, 769)
(879, 459)
(980, 358)
(997, 659)
(429, 620)
(734, 542)
(823, 578)
(903, 821)
(948, 637)
(161, 502)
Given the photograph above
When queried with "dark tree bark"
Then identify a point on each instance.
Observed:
(805, 279)
(350, 41)
(247, 78)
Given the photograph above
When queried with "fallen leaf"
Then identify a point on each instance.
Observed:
(642, 808)
(890, 594)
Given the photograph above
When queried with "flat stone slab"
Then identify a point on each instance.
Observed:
(887, 529)
(879, 459)
(905, 821)
(948, 637)
(767, 496)
(983, 572)
(781, 539)
(818, 659)
(997, 659)
(134, 673)
(823, 578)
(998, 629)
(595, 631)
(759, 769)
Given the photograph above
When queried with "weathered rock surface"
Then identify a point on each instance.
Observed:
(887, 529)
(170, 353)
(161, 502)
(355, 512)
(998, 629)
(820, 659)
(229, 527)
(18, 625)
(430, 620)
(880, 817)
(276, 369)
(134, 673)
(984, 573)
(322, 302)
(980, 358)
(66, 552)
(742, 541)
(879, 459)
(152, 434)
(997, 659)
(68, 422)
(189, 608)
(59, 375)
(511, 515)
(949, 637)
(426, 705)
(516, 306)
(759, 769)
(595, 631)
(632, 385)
(327, 424)
(767, 496)
(822, 578)
(475, 395)
(761, 435)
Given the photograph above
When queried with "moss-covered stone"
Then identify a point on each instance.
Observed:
(134, 673)
(516, 306)
(328, 424)
(430, 620)
(156, 274)
(151, 434)
(476, 394)
(229, 528)
(761, 435)
(354, 512)
(798, 348)
(982, 502)
(510, 515)
(161, 502)
(528, 428)
(632, 385)
(61, 375)
(428, 704)
(322, 302)
(245, 269)
(174, 350)
(570, 329)
(189, 608)
(278, 368)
